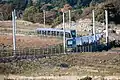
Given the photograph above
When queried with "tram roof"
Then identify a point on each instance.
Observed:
(51, 29)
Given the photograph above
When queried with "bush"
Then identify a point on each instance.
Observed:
(86, 78)
(64, 65)
(29, 13)
(38, 18)
(5, 11)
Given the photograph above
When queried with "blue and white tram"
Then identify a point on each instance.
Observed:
(71, 40)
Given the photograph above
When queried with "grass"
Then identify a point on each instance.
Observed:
(65, 65)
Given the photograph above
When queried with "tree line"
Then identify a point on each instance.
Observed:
(32, 10)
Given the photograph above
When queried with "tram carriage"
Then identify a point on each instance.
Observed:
(54, 32)
(83, 41)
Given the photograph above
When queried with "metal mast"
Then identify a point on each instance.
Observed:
(69, 18)
(44, 13)
(106, 19)
(64, 33)
(14, 30)
(94, 33)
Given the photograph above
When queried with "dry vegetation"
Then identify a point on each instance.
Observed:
(21, 24)
(28, 41)
(91, 64)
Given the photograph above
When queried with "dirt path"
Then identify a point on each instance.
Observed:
(2, 77)
(15, 77)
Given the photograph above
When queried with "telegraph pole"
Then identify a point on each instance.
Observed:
(14, 30)
(94, 33)
(69, 18)
(106, 19)
(44, 15)
(64, 45)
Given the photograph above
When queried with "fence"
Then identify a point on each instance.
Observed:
(49, 51)
(9, 55)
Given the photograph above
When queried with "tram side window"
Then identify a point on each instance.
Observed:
(45, 32)
(85, 40)
(48, 32)
(73, 33)
(67, 35)
(58, 33)
(61, 33)
(38, 32)
(52, 33)
(42, 32)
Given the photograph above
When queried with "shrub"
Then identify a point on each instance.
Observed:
(86, 78)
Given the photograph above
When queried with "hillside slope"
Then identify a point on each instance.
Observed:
(26, 8)
(112, 6)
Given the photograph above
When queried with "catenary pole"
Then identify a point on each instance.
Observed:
(106, 19)
(69, 18)
(64, 33)
(44, 15)
(94, 33)
(14, 30)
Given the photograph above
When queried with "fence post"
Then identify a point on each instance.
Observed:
(33, 51)
(55, 49)
(59, 48)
